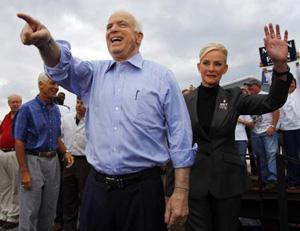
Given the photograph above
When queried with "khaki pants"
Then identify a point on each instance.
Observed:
(9, 206)
(38, 205)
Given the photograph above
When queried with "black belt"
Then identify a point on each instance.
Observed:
(122, 181)
(47, 154)
(7, 149)
(79, 157)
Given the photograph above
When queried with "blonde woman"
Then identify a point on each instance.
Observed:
(218, 177)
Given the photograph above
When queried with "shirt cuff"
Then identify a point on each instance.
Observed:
(57, 72)
(184, 158)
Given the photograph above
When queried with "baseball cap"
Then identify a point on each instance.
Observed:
(252, 81)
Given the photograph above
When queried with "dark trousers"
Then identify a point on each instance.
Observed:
(212, 214)
(138, 206)
(60, 201)
(73, 184)
(291, 141)
(241, 146)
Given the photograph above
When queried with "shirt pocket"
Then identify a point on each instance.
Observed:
(148, 107)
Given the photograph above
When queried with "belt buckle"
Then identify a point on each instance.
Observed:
(46, 154)
(118, 182)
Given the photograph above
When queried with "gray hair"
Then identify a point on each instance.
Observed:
(213, 47)
(43, 77)
(12, 96)
(137, 24)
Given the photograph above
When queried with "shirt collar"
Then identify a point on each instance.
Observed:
(75, 117)
(7, 116)
(136, 60)
(43, 103)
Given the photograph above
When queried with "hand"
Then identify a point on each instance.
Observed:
(33, 33)
(277, 48)
(26, 181)
(242, 121)
(69, 159)
(270, 131)
(177, 207)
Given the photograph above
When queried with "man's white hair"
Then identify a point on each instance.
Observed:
(137, 24)
(13, 96)
(43, 78)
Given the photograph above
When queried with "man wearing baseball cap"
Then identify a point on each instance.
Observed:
(264, 138)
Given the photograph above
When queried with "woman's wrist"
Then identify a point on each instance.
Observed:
(281, 69)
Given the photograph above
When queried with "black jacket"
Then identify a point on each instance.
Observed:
(218, 168)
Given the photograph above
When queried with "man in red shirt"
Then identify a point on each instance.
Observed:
(9, 206)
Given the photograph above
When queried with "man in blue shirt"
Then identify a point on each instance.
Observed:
(36, 130)
(136, 121)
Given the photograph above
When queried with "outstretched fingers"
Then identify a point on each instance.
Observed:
(276, 44)
(278, 31)
(286, 35)
(271, 29)
(285, 38)
(267, 33)
(33, 33)
(271, 33)
(33, 23)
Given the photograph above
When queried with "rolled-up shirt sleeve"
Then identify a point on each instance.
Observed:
(71, 73)
(20, 122)
(182, 151)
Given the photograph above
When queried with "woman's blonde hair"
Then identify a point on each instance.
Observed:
(213, 47)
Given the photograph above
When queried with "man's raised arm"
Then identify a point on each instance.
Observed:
(35, 33)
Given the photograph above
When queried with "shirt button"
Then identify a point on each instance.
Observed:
(117, 108)
(115, 128)
(114, 149)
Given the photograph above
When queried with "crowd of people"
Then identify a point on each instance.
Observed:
(131, 119)
(270, 131)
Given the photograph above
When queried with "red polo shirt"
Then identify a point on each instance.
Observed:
(6, 138)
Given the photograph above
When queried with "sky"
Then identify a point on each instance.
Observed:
(174, 32)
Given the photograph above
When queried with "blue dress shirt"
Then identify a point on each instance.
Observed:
(136, 116)
(37, 126)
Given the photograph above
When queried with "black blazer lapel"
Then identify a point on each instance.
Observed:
(221, 110)
(192, 105)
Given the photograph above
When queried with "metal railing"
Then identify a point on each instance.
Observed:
(282, 195)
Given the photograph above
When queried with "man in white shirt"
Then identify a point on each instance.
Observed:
(290, 127)
(264, 138)
(64, 110)
(241, 139)
(74, 137)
